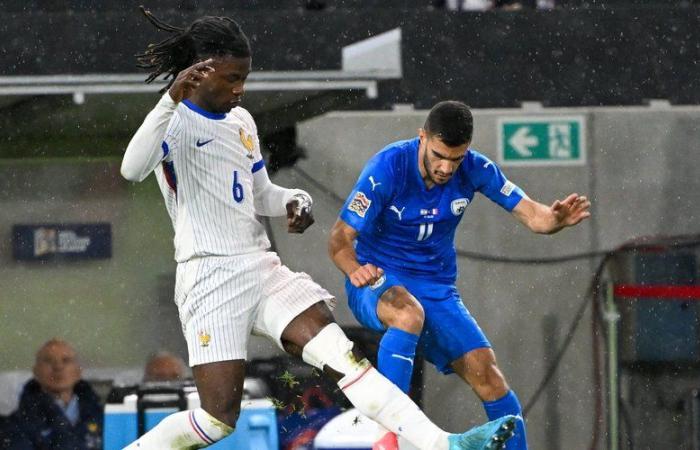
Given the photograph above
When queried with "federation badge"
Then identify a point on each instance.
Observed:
(360, 204)
(247, 141)
(204, 338)
(459, 205)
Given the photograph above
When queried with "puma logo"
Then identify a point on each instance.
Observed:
(397, 211)
(405, 358)
(374, 184)
(489, 163)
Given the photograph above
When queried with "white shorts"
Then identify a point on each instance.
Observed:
(222, 300)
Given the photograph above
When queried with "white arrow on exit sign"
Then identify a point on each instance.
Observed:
(521, 141)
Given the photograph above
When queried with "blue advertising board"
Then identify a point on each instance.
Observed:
(43, 242)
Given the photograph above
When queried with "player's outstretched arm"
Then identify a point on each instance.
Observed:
(144, 151)
(272, 200)
(342, 252)
(545, 219)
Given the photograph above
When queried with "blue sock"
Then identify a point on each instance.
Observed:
(509, 404)
(397, 349)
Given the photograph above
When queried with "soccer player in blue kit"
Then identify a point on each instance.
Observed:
(394, 241)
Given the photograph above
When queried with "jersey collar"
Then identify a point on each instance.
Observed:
(204, 112)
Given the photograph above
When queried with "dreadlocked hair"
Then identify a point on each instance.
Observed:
(205, 37)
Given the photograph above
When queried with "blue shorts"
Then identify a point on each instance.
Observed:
(449, 331)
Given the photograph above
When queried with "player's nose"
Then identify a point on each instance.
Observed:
(238, 90)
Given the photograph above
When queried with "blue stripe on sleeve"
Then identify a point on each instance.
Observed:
(166, 149)
(258, 165)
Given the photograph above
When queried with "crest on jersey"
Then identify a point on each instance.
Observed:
(360, 204)
(204, 338)
(459, 205)
(247, 141)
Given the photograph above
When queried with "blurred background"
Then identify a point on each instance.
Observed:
(597, 327)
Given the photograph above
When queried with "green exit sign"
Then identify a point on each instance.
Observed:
(542, 140)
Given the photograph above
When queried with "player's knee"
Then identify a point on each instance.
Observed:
(403, 311)
(410, 319)
(331, 350)
(488, 381)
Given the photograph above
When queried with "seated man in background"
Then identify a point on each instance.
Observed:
(57, 410)
(164, 366)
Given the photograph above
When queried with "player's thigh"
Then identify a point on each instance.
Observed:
(364, 301)
(217, 304)
(286, 296)
(450, 332)
(220, 388)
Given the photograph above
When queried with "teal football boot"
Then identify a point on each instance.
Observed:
(489, 436)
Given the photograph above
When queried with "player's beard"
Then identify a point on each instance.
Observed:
(429, 170)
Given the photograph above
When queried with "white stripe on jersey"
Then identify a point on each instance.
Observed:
(212, 215)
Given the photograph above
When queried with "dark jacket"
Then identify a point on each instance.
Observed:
(39, 421)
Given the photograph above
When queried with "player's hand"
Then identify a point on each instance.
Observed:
(299, 215)
(572, 210)
(365, 275)
(187, 81)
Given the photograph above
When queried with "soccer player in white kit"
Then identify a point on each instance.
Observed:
(205, 153)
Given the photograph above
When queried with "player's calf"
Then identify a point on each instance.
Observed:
(370, 392)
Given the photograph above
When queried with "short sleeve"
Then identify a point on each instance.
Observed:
(371, 193)
(250, 140)
(490, 181)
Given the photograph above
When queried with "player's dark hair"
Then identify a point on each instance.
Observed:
(205, 37)
(451, 122)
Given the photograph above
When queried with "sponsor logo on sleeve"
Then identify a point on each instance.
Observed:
(507, 188)
(360, 204)
(459, 205)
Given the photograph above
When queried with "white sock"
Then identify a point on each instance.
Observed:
(382, 401)
(184, 430)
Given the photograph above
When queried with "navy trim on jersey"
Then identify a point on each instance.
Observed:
(166, 149)
(258, 165)
(169, 172)
(204, 112)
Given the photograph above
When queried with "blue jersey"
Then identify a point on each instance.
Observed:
(407, 228)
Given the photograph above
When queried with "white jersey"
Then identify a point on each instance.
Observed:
(212, 177)
(208, 167)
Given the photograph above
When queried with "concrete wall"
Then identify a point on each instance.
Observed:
(115, 311)
(642, 177)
